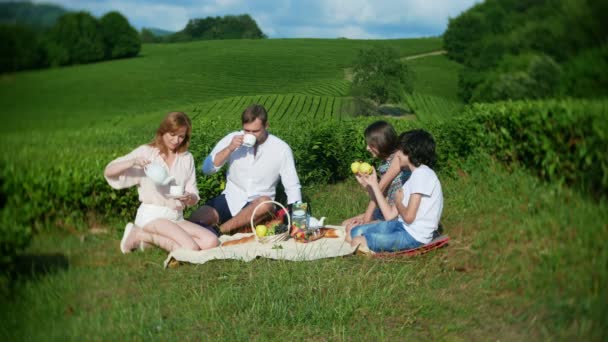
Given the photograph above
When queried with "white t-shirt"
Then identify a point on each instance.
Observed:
(424, 181)
(252, 176)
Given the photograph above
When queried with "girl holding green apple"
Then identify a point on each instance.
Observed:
(418, 204)
(382, 143)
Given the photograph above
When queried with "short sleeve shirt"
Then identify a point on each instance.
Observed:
(424, 181)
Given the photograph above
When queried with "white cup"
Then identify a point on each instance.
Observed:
(176, 190)
(249, 140)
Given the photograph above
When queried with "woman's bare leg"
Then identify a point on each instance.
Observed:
(163, 242)
(170, 230)
(203, 237)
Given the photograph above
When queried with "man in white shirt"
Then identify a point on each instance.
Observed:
(253, 174)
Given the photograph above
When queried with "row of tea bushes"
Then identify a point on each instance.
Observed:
(562, 141)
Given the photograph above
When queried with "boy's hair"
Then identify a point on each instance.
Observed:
(419, 146)
(382, 136)
(254, 111)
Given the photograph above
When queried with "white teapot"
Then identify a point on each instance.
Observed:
(158, 174)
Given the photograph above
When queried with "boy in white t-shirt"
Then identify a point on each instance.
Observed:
(419, 203)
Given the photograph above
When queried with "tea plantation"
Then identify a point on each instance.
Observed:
(506, 168)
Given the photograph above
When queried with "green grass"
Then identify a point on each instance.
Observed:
(172, 76)
(526, 262)
(436, 76)
(432, 108)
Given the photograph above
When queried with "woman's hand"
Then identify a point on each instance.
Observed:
(140, 161)
(186, 199)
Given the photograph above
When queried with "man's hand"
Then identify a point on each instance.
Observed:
(236, 142)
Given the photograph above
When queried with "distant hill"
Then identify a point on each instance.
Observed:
(29, 14)
(159, 32)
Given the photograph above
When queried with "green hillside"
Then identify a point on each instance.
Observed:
(26, 13)
(436, 75)
(525, 260)
(170, 77)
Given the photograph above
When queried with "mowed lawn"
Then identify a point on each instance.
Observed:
(514, 270)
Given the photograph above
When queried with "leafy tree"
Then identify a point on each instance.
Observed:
(120, 38)
(463, 31)
(227, 27)
(19, 49)
(530, 76)
(556, 31)
(380, 76)
(585, 75)
(76, 38)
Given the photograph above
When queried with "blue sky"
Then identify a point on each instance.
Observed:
(356, 19)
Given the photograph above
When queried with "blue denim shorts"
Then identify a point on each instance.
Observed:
(377, 215)
(386, 236)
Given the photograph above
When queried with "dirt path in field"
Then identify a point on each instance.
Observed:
(348, 72)
(434, 53)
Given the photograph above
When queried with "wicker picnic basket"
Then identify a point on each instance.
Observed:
(271, 238)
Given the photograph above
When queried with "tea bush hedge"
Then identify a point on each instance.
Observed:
(561, 141)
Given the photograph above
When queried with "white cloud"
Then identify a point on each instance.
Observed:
(391, 12)
(293, 18)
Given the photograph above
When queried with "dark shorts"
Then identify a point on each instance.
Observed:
(220, 205)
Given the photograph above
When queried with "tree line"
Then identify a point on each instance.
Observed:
(74, 38)
(227, 27)
(530, 49)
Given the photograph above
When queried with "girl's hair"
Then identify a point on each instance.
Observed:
(419, 146)
(172, 122)
(382, 136)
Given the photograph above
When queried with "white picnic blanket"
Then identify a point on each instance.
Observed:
(284, 250)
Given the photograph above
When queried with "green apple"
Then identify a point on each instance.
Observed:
(260, 230)
(365, 168)
(354, 167)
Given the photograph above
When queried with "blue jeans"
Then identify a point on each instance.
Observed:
(377, 215)
(385, 236)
